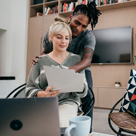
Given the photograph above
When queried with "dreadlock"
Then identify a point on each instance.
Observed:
(90, 11)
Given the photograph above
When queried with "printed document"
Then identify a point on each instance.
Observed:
(65, 80)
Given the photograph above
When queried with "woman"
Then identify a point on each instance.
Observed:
(60, 35)
(83, 44)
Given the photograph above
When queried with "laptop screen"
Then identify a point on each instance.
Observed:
(29, 117)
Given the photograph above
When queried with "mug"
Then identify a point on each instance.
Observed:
(79, 126)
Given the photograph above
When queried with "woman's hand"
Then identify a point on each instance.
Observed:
(48, 92)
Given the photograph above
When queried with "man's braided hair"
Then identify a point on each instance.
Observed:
(90, 11)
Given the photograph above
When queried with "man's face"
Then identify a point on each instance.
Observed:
(78, 24)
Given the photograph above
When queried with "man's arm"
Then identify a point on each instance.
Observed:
(85, 62)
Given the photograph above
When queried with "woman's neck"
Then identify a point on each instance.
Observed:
(59, 57)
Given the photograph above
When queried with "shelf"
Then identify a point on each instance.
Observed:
(7, 77)
(52, 3)
(65, 13)
(46, 1)
(34, 2)
(34, 9)
(37, 5)
(110, 87)
(2, 29)
(117, 5)
(68, 1)
(51, 14)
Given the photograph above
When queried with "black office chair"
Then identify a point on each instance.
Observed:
(90, 104)
(18, 92)
(123, 120)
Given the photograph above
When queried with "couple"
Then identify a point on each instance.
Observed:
(57, 43)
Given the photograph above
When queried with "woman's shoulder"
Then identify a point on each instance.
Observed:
(42, 58)
(75, 56)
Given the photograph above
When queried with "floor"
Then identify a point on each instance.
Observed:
(100, 123)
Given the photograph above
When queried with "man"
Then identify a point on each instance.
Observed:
(83, 43)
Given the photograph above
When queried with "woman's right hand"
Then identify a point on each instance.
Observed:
(48, 92)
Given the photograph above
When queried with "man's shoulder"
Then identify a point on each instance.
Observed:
(88, 32)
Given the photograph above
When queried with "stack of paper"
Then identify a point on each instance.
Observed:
(65, 80)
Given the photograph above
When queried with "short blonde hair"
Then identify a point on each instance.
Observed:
(59, 26)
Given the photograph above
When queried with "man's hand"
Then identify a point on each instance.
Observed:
(34, 61)
(48, 92)
(74, 67)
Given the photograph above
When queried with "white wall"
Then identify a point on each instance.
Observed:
(13, 39)
(3, 48)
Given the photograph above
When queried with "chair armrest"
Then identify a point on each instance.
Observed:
(15, 90)
(115, 105)
(109, 120)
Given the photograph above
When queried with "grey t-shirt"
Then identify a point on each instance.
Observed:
(86, 39)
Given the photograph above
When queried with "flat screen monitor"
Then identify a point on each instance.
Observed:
(113, 45)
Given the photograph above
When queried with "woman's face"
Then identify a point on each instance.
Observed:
(60, 41)
(78, 24)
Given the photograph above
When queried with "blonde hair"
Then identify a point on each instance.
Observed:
(59, 26)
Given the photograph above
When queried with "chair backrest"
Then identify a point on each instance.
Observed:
(18, 92)
(89, 103)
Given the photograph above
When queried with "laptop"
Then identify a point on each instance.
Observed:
(29, 117)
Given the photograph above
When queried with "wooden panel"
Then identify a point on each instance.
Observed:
(107, 75)
(95, 90)
(34, 41)
(117, 5)
(109, 96)
(47, 22)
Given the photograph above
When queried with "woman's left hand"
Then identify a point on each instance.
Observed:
(48, 92)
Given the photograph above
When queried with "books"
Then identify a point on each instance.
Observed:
(105, 2)
(69, 6)
(39, 14)
(51, 10)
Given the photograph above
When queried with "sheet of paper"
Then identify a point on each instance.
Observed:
(64, 80)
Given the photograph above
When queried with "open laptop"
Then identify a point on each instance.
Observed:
(29, 117)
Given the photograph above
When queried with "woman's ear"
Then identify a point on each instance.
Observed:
(71, 16)
(51, 37)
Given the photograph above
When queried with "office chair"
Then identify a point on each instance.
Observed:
(91, 102)
(123, 117)
(18, 92)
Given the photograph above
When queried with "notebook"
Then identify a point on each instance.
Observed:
(29, 117)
